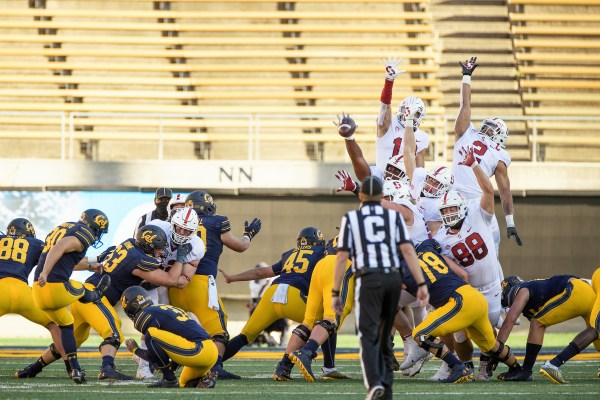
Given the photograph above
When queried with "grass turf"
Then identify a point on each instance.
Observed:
(52, 383)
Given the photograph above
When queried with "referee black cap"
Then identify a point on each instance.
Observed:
(372, 186)
(163, 192)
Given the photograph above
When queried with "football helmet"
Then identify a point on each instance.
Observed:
(395, 169)
(176, 200)
(331, 246)
(396, 190)
(134, 299)
(97, 221)
(20, 228)
(151, 237)
(437, 182)
(201, 202)
(412, 102)
(452, 199)
(310, 236)
(510, 287)
(187, 219)
(495, 128)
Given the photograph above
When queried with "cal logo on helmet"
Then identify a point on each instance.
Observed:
(148, 236)
(12, 231)
(101, 221)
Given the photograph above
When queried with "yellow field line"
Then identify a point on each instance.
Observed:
(269, 355)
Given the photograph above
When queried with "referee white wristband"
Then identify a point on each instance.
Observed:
(466, 79)
(510, 221)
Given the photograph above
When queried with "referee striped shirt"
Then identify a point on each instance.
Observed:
(372, 235)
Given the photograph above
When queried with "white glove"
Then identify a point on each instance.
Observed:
(391, 68)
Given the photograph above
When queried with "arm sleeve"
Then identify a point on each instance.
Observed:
(422, 140)
(225, 225)
(148, 264)
(198, 250)
(416, 185)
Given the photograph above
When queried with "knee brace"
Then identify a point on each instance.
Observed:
(428, 343)
(54, 351)
(330, 326)
(302, 332)
(221, 338)
(114, 340)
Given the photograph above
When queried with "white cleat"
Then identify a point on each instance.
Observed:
(143, 372)
(415, 354)
(415, 369)
(442, 373)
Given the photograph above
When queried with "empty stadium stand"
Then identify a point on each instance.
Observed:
(300, 62)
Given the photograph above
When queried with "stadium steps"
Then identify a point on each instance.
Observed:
(480, 28)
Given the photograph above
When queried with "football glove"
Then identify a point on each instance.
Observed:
(512, 231)
(251, 229)
(348, 184)
(469, 66)
(391, 68)
(182, 251)
(106, 253)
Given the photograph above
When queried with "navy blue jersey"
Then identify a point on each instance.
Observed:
(170, 319)
(210, 229)
(296, 266)
(18, 256)
(542, 290)
(441, 281)
(64, 266)
(120, 265)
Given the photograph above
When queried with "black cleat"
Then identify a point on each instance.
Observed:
(102, 287)
(302, 360)
(224, 375)
(165, 383)
(78, 376)
(283, 372)
(29, 371)
(111, 374)
(516, 375)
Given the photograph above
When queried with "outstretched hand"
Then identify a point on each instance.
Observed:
(469, 157)
(391, 67)
(512, 231)
(251, 229)
(225, 276)
(346, 180)
(469, 66)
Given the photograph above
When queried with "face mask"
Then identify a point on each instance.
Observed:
(161, 209)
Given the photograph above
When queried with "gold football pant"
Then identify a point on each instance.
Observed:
(17, 298)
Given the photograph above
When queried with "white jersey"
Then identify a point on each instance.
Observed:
(428, 206)
(418, 231)
(488, 154)
(391, 144)
(473, 247)
(170, 254)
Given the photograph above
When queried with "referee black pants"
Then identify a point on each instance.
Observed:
(376, 302)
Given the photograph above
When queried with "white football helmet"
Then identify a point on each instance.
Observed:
(185, 218)
(452, 199)
(396, 190)
(178, 199)
(413, 103)
(495, 128)
(395, 169)
(437, 182)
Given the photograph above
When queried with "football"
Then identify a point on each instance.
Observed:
(347, 126)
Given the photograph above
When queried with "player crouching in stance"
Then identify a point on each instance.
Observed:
(172, 339)
(450, 296)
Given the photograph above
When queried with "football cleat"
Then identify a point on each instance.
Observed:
(459, 373)
(78, 376)
(415, 354)
(29, 371)
(112, 374)
(208, 381)
(283, 372)
(485, 372)
(395, 364)
(415, 369)
(552, 373)
(165, 383)
(302, 360)
(333, 373)
(375, 393)
(442, 373)
(516, 375)
(224, 375)
(144, 370)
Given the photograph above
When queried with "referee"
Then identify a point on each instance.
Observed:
(377, 241)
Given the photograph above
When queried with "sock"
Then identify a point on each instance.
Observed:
(68, 341)
(450, 359)
(469, 364)
(531, 353)
(328, 348)
(234, 346)
(219, 363)
(107, 362)
(569, 352)
(68, 366)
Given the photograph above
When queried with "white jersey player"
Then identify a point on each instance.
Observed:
(488, 143)
(397, 197)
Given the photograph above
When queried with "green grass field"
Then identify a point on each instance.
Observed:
(258, 384)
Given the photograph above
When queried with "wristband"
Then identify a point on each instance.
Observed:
(92, 259)
(247, 236)
(335, 293)
(386, 93)
(466, 79)
(510, 221)
(475, 163)
(422, 284)
(89, 266)
(350, 137)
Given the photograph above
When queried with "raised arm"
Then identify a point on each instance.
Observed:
(506, 199)
(410, 144)
(385, 112)
(487, 200)
(240, 245)
(464, 115)
(346, 128)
